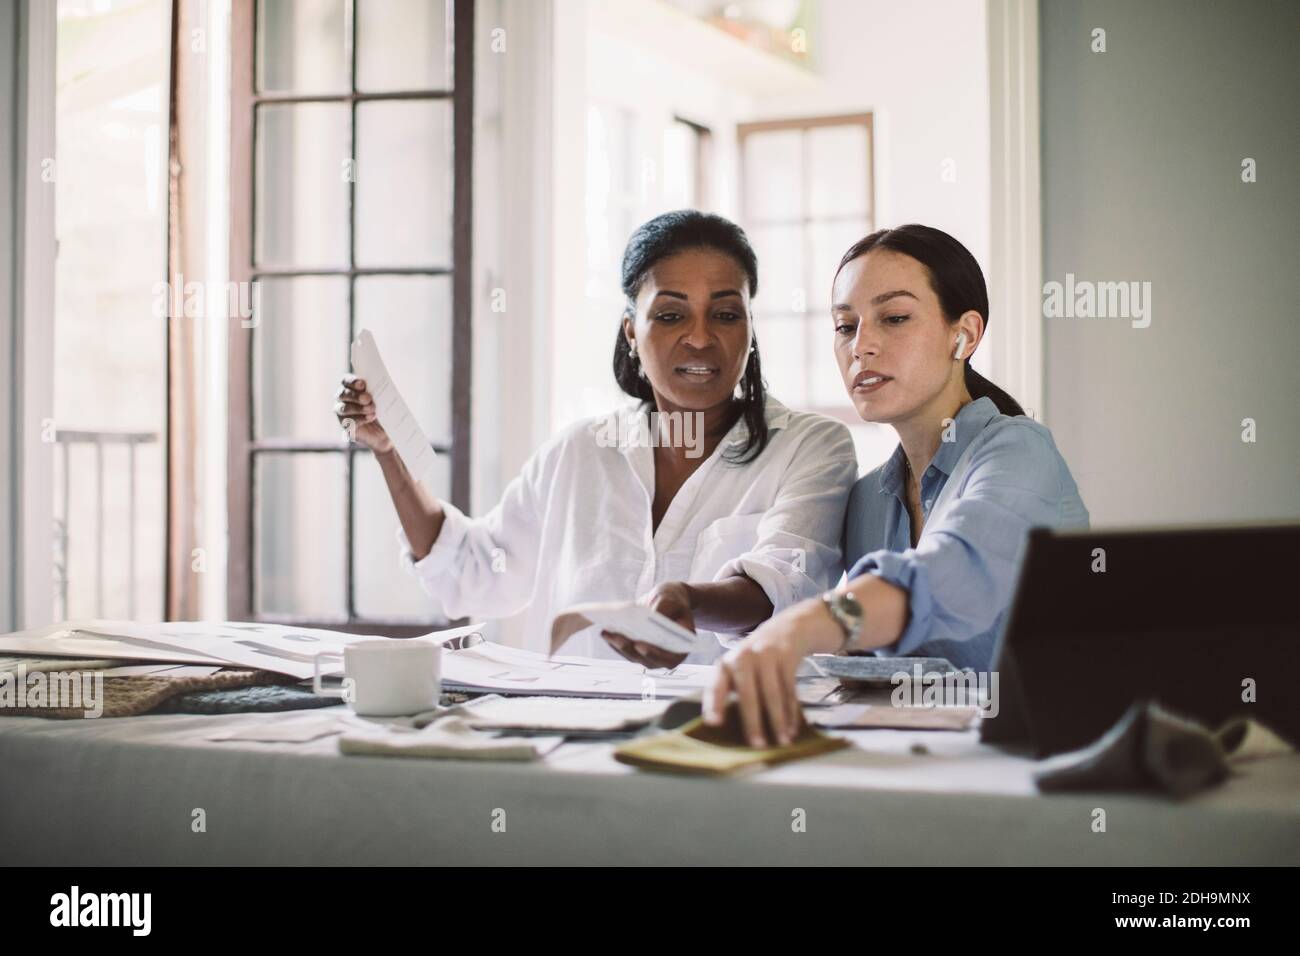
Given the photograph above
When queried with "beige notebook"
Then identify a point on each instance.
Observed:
(701, 748)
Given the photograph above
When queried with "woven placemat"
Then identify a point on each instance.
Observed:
(129, 696)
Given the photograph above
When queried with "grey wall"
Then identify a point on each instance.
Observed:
(1141, 169)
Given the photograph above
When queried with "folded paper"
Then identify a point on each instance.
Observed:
(391, 410)
(634, 621)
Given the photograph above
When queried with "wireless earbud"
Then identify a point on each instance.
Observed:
(961, 344)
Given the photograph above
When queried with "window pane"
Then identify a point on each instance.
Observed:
(404, 166)
(837, 179)
(829, 241)
(612, 193)
(681, 166)
(301, 185)
(410, 317)
(781, 343)
(773, 176)
(781, 283)
(300, 352)
(874, 443)
(301, 47)
(382, 588)
(109, 340)
(825, 384)
(402, 45)
(299, 534)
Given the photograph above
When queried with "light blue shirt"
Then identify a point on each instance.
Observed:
(962, 573)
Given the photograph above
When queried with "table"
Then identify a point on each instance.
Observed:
(124, 792)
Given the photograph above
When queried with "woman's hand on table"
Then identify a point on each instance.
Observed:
(673, 601)
(761, 673)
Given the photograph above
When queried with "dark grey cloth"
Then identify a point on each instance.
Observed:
(1149, 748)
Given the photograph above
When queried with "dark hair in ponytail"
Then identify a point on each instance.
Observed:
(956, 279)
(664, 236)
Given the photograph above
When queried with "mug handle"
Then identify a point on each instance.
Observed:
(316, 687)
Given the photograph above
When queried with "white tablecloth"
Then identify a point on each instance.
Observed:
(125, 791)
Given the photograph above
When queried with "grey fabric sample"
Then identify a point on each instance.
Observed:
(241, 700)
(1151, 747)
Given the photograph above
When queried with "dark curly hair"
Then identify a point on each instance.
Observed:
(667, 235)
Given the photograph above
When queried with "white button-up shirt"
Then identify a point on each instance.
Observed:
(576, 525)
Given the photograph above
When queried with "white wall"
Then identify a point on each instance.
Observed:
(8, 327)
(598, 63)
(27, 244)
(515, 43)
(921, 69)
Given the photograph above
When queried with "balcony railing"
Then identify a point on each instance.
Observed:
(65, 439)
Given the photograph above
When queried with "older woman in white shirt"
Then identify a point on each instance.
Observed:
(717, 510)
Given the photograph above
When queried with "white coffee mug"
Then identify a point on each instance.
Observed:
(386, 678)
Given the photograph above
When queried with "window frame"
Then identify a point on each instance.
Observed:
(805, 221)
(703, 159)
(242, 445)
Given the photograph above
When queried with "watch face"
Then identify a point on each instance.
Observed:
(847, 613)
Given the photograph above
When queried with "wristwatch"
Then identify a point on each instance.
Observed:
(846, 610)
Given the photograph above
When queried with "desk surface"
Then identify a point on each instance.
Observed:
(125, 791)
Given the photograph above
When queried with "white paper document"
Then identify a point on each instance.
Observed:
(148, 670)
(34, 664)
(559, 713)
(279, 648)
(633, 621)
(270, 647)
(392, 411)
(87, 640)
(509, 670)
(485, 666)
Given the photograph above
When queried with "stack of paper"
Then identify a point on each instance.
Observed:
(269, 647)
(510, 670)
(482, 667)
(559, 714)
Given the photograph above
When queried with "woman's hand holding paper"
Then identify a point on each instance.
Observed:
(672, 599)
(355, 409)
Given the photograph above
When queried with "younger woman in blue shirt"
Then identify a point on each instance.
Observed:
(934, 537)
